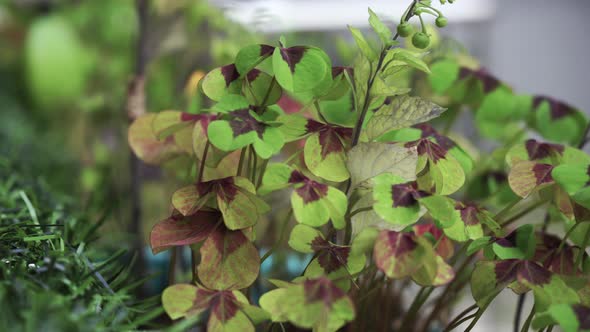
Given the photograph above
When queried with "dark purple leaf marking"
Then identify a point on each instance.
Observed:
(406, 194)
(331, 137)
(469, 213)
(425, 146)
(322, 289)
(543, 173)
(266, 50)
(401, 243)
(509, 241)
(428, 131)
(224, 188)
(252, 75)
(583, 315)
(243, 122)
(293, 55)
(489, 82)
(223, 304)
(538, 150)
(557, 108)
(227, 241)
(533, 273)
(230, 74)
(506, 270)
(339, 70)
(498, 176)
(331, 257)
(311, 190)
(179, 230)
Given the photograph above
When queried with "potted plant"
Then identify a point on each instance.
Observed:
(396, 216)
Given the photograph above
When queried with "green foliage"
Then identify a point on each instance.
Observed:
(375, 190)
(53, 278)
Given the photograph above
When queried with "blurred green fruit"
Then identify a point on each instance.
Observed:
(420, 40)
(441, 21)
(405, 29)
(56, 63)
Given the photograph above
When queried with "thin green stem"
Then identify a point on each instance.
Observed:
(527, 323)
(282, 233)
(261, 173)
(476, 318)
(361, 119)
(518, 314)
(458, 323)
(580, 254)
(203, 160)
(419, 300)
(241, 162)
(460, 318)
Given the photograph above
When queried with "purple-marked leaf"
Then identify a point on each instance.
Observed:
(190, 199)
(575, 180)
(228, 260)
(235, 196)
(300, 68)
(437, 168)
(367, 160)
(275, 177)
(489, 278)
(222, 81)
(146, 145)
(558, 121)
(315, 203)
(442, 209)
(548, 288)
(436, 273)
(341, 273)
(401, 112)
(519, 244)
(397, 254)
(200, 141)
(331, 257)
(302, 236)
(251, 56)
(445, 247)
(555, 259)
(244, 127)
(178, 230)
(396, 200)
(546, 153)
(226, 310)
(315, 304)
(489, 82)
(424, 130)
(261, 89)
(570, 318)
(239, 204)
(339, 87)
(528, 176)
(324, 150)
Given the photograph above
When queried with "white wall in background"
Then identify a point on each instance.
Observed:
(308, 15)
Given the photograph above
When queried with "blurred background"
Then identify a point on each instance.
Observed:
(70, 72)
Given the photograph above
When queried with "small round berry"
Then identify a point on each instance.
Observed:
(420, 40)
(405, 29)
(441, 21)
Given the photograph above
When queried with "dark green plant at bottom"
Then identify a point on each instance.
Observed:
(50, 277)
